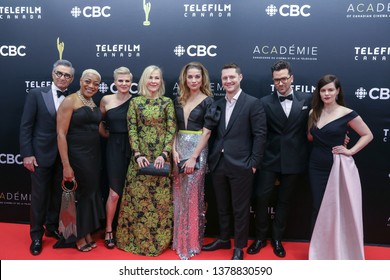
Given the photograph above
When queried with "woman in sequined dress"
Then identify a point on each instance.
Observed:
(195, 119)
(146, 210)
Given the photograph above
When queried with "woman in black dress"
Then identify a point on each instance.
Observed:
(78, 121)
(114, 108)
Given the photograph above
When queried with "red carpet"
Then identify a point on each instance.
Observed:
(15, 242)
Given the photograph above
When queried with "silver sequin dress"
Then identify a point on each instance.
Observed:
(188, 190)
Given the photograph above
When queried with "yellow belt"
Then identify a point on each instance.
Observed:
(191, 131)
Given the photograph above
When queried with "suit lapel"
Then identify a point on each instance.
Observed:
(277, 108)
(49, 102)
(295, 109)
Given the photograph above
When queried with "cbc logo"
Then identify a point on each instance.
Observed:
(288, 10)
(10, 159)
(374, 93)
(91, 11)
(196, 50)
(12, 50)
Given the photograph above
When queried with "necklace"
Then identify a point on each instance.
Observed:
(86, 102)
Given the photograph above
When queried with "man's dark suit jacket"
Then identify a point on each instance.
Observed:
(38, 134)
(243, 140)
(287, 147)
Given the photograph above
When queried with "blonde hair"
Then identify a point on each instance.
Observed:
(142, 88)
(90, 71)
(184, 91)
(122, 71)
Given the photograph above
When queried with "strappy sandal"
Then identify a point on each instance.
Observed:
(85, 248)
(110, 242)
(91, 243)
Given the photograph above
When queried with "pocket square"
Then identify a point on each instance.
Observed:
(304, 107)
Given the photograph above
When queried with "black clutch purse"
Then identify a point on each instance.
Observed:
(180, 164)
(153, 171)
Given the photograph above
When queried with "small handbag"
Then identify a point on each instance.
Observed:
(153, 171)
(67, 222)
(181, 163)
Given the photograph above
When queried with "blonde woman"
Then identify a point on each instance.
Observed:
(146, 210)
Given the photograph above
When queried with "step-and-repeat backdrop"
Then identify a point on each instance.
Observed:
(349, 38)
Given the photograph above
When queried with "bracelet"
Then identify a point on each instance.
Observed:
(163, 156)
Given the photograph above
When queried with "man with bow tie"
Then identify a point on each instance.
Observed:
(285, 157)
(38, 148)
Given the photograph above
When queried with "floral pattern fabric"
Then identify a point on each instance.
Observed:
(145, 218)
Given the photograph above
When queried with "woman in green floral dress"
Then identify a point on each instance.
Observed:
(146, 212)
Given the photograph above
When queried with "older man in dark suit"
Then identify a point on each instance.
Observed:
(38, 147)
(285, 156)
(235, 155)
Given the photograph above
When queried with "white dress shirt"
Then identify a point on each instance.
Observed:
(230, 106)
(57, 100)
(286, 104)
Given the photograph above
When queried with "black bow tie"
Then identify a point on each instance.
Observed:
(289, 97)
(64, 93)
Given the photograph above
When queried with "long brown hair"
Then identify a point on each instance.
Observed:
(184, 91)
(317, 103)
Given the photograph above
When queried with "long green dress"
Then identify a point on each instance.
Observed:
(145, 218)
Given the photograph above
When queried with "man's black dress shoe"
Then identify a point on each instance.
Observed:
(238, 254)
(36, 247)
(256, 246)
(53, 233)
(278, 248)
(217, 244)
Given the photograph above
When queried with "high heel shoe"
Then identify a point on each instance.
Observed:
(110, 242)
(90, 241)
(84, 248)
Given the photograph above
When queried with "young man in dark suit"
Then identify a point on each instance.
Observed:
(38, 148)
(285, 156)
(235, 155)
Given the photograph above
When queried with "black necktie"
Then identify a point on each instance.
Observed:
(59, 93)
(289, 97)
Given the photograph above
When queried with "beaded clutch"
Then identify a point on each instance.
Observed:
(153, 171)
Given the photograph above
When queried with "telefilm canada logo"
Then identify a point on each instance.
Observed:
(118, 50)
(20, 13)
(386, 135)
(292, 52)
(368, 11)
(295, 87)
(36, 84)
(379, 53)
(288, 10)
(207, 10)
